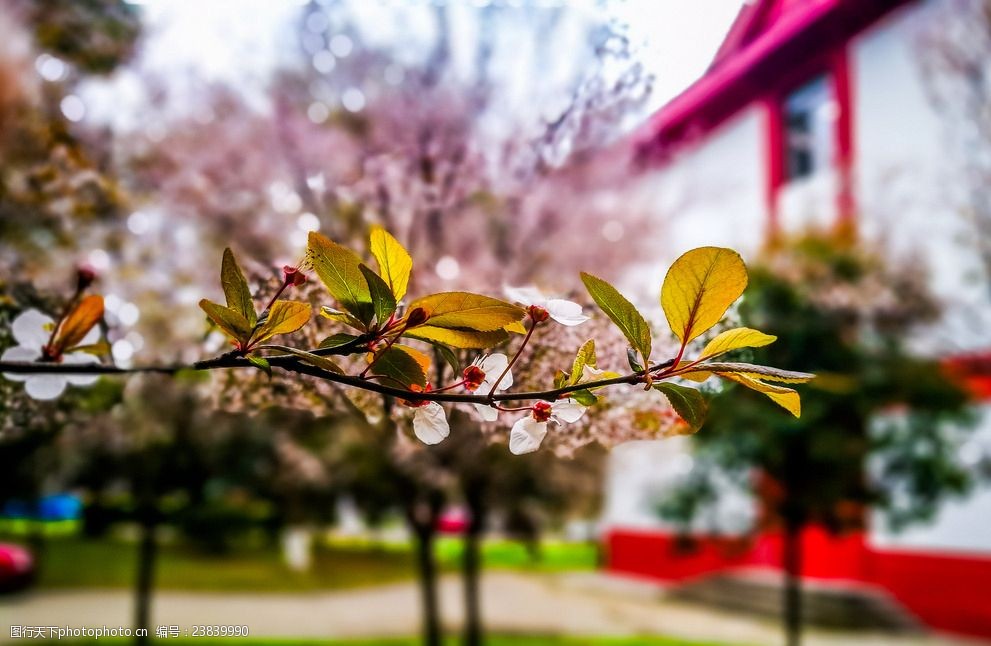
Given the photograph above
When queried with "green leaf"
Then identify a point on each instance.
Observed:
(336, 340)
(626, 317)
(401, 367)
(449, 357)
(236, 288)
(765, 373)
(687, 402)
(383, 301)
(632, 359)
(228, 320)
(261, 363)
(458, 338)
(393, 260)
(338, 269)
(313, 359)
(584, 357)
(466, 311)
(584, 397)
(284, 317)
(699, 288)
(420, 357)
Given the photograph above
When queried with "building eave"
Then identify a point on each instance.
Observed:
(759, 68)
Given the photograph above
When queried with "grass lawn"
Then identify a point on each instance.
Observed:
(76, 562)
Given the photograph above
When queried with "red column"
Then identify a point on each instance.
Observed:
(844, 132)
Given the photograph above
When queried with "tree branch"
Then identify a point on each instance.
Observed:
(291, 363)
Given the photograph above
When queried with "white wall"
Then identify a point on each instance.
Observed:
(905, 176)
(641, 473)
(711, 194)
(905, 182)
(962, 524)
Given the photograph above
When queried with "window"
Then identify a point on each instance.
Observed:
(809, 113)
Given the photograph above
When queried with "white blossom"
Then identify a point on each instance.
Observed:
(529, 432)
(492, 365)
(564, 312)
(430, 423)
(31, 330)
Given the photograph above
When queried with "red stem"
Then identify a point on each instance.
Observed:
(378, 355)
(512, 362)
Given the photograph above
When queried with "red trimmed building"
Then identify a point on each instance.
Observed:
(816, 112)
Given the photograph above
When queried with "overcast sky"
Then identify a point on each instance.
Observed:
(237, 37)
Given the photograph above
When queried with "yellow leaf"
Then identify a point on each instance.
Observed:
(340, 317)
(418, 356)
(584, 357)
(458, 338)
(228, 320)
(467, 311)
(693, 371)
(765, 373)
(395, 264)
(699, 288)
(741, 337)
(516, 327)
(784, 397)
(78, 323)
(284, 317)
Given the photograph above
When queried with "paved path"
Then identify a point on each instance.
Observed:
(517, 603)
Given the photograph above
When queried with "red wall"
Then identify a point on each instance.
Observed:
(946, 591)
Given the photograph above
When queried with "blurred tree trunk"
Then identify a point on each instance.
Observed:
(147, 550)
(792, 591)
(422, 513)
(472, 564)
(36, 534)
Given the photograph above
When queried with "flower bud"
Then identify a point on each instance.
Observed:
(541, 411)
(293, 276)
(416, 316)
(473, 376)
(85, 276)
(538, 314)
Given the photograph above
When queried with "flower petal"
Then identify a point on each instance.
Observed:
(45, 386)
(487, 413)
(567, 410)
(528, 295)
(526, 436)
(19, 353)
(80, 358)
(565, 312)
(31, 329)
(492, 366)
(430, 424)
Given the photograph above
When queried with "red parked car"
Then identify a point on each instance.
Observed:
(16, 567)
